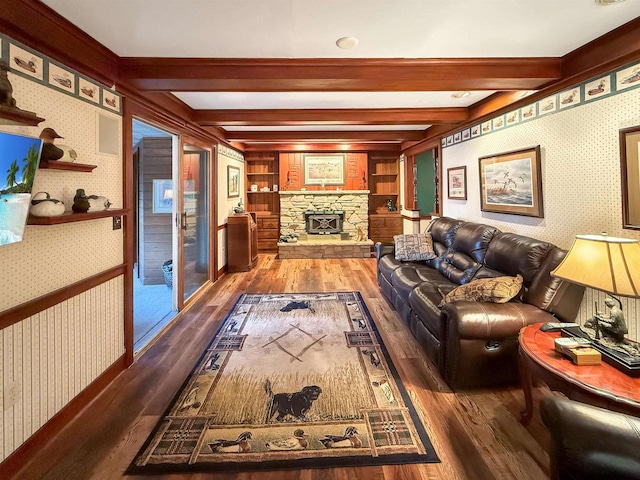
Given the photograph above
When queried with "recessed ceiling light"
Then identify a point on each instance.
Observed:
(347, 42)
(608, 2)
(460, 94)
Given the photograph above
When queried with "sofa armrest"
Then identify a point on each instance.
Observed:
(483, 320)
(384, 248)
(591, 442)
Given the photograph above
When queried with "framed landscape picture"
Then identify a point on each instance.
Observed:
(233, 181)
(511, 182)
(322, 169)
(457, 181)
(630, 170)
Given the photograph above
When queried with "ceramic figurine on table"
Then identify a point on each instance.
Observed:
(239, 208)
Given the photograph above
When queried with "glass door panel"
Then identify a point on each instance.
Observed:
(195, 219)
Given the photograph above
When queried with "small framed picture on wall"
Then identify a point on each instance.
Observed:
(457, 182)
(233, 181)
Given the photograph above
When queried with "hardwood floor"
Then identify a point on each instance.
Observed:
(477, 434)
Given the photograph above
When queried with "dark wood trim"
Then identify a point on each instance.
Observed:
(430, 143)
(129, 191)
(221, 227)
(331, 74)
(27, 309)
(70, 217)
(74, 167)
(332, 116)
(336, 136)
(15, 116)
(323, 147)
(213, 220)
(222, 272)
(40, 27)
(25, 452)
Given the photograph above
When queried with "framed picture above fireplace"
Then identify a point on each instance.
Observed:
(324, 169)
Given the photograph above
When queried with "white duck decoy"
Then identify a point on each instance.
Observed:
(42, 205)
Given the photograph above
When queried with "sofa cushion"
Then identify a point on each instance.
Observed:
(494, 290)
(467, 252)
(443, 231)
(514, 254)
(387, 265)
(414, 247)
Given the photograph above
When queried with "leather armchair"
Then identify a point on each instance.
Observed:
(591, 443)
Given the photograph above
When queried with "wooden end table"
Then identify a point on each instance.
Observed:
(600, 385)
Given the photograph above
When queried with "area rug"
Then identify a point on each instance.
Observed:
(289, 381)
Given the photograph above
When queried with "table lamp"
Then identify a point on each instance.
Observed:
(611, 265)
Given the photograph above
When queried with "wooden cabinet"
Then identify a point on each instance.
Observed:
(262, 171)
(383, 226)
(242, 242)
(384, 185)
(268, 233)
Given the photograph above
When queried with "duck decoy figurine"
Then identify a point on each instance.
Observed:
(83, 203)
(80, 202)
(49, 150)
(42, 205)
(6, 89)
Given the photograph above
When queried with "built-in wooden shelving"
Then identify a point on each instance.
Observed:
(69, 217)
(72, 167)
(15, 116)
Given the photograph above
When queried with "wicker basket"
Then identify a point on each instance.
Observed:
(167, 270)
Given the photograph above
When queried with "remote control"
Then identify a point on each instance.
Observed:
(556, 326)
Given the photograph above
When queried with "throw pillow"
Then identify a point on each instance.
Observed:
(414, 247)
(495, 290)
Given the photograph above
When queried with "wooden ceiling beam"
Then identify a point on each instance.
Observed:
(336, 136)
(329, 116)
(353, 75)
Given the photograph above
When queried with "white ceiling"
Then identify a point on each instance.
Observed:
(317, 100)
(309, 29)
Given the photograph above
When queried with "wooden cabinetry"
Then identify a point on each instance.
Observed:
(262, 171)
(242, 242)
(384, 185)
(383, 226)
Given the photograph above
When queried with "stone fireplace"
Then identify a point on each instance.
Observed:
(331, 223)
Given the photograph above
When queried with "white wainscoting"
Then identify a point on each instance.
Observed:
(50, 357)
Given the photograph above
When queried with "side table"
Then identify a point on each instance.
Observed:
(600, 385)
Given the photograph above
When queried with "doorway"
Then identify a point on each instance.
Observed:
(195, 239)
(154, 298)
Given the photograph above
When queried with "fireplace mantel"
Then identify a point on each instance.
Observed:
(324, 192)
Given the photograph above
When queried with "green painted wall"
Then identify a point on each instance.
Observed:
(426, 185)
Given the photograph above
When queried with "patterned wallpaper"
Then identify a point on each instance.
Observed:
(51, 257)
(580, 176)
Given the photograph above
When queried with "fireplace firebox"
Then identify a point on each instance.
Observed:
(323, 222)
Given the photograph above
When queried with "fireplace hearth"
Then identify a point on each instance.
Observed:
(323, 222)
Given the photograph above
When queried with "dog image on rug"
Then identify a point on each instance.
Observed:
(296, 404)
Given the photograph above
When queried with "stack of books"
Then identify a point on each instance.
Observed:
(579, 350)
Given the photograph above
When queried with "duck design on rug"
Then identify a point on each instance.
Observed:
(348, 440)
(297, 442)
(239, 445)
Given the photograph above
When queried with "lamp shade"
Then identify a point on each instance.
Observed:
(605, 263)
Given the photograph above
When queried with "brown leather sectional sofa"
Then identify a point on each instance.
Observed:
(475, 343)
